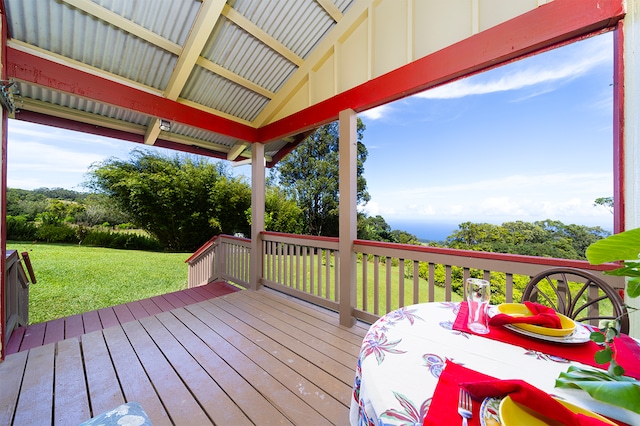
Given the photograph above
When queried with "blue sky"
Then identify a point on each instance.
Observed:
(528, 141)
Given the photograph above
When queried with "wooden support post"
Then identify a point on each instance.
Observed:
(257, 214)
(3, 189)
(348, 214)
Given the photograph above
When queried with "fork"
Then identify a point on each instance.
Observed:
(464, 406)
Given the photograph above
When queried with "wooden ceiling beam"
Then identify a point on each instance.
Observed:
(126, 25)
(238, 19)
(331, 9)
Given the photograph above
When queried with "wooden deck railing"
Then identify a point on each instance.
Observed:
(17, 291)
(390, 275)
(221, 258)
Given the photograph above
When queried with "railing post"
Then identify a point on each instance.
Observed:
(257, 214)
(348, 214)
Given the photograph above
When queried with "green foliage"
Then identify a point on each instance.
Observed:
(21, 202)
(61, 194)
(19, 228)
(374, 228)
(282, 214)
(181, 201)
(546, 238)
(100, 209)
(498, 281)
(310, 175)
(121, 240)
(617, 390)
(624, 247)
(56, 233)
(606, 202)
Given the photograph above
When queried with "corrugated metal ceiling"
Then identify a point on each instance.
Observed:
(249, 54)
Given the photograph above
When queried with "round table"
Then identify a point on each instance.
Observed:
(404, 353)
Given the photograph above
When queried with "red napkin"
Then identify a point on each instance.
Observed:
(443, 409)
(525, 394)
(627, 350)
(542, 316)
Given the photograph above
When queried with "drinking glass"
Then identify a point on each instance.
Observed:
(478, 292)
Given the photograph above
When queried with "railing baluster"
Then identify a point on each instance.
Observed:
(387, 266)
(365, 282)
(401, 283)
(447, 281)
(508, 292)
(336, 276)
(376, 285)
(319, 259)
(432, 282)
(416, 282)
(311, 270)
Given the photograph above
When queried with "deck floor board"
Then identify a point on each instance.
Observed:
(185, 326)
(102, 380)
(11, 371)
(25, 338)
(36, 392)
(72, 401)
(242, 358)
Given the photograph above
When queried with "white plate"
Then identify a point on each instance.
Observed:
(580, 335)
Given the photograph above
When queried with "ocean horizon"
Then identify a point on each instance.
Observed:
(424, 231)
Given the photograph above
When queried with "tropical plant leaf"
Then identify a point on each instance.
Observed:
(633, 287)
(603, 356)
(615, 390)
(622, 246)
(630, 269)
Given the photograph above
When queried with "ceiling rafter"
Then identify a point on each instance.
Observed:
(119, 21)
(244, 23)
(236, 150)
(331, 9)
(59, 111)
(229, 75)
(201, 30)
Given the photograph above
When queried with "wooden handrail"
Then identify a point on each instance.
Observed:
(29, 266)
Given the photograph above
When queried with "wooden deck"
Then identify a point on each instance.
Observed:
(251, 357)
(25, 338)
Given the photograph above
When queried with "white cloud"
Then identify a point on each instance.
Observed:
(376, 113)
(566, 197)
(574, 62)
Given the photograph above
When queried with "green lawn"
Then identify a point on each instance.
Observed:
(74, 279)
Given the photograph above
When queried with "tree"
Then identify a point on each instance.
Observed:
(547, 238)
(310, 175)
(606, 202)
(181, 201)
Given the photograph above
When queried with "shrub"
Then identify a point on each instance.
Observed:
(20, 229)
(56, 234)
(120, 240)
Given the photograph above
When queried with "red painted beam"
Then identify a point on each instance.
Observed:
(78, 126)
(36, 70)
(536, 30)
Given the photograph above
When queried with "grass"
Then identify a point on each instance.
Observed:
(423, 289)
(72, 279)
(423, 285)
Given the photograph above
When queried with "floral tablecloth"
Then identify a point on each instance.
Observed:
(404, 352)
